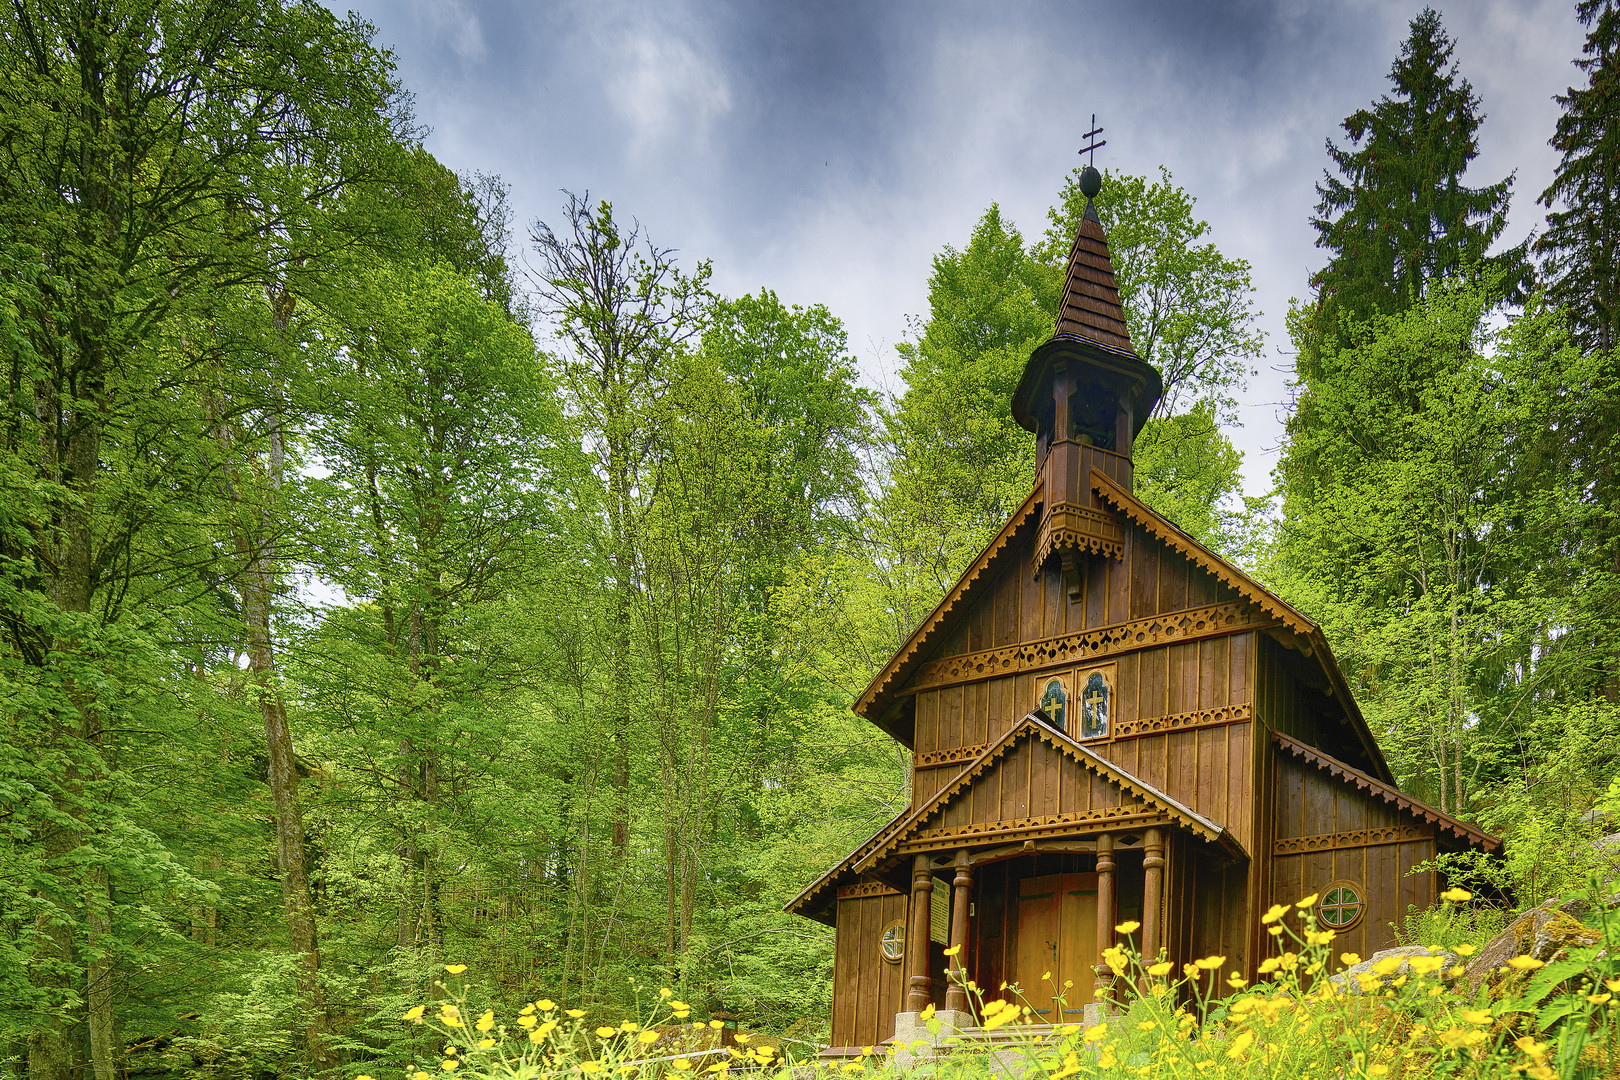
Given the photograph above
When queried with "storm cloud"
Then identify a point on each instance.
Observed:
(830, 150)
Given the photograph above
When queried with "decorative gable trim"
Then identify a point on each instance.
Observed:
(1084, 646)
(1387, 792)
(1155, 803)
(920, 637)
(1160, 528)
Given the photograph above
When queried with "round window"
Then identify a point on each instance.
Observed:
(894, 942)
(1341, 905)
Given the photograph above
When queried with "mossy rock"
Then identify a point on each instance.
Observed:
(1546, 932)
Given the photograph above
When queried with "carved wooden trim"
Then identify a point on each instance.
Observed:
(1156, 526)
(956, 755)
(1137, 816)
(1187, 624)
(1388, 792)
(866, 888)
(1173, 812)
(1197, 718)
(1389, 834)
(1219, 716)
(1080, 530)
(919, 637)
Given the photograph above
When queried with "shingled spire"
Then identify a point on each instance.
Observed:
(1085, 394)
(1090, 310)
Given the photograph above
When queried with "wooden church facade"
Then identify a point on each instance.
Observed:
(1109, 723)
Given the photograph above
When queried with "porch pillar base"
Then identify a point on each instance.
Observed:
(910, 1029)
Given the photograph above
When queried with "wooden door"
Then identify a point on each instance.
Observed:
(1057, 938)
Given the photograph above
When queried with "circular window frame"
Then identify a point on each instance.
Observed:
(883, 944)
(1361, 905)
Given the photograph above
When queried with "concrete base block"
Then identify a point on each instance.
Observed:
(910, 1028)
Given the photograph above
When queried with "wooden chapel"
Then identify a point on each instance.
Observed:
(1109, 722)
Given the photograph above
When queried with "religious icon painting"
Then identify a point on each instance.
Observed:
(1096, 701)
(1055, 703)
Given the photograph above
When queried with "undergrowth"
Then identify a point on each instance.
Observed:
(1401, 1019)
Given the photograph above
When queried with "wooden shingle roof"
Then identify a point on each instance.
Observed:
(1090, 309)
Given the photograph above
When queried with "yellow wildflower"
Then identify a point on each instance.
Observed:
(1476, 1016)
(1209, 963)
(483, 1044)
(450, 1016)
(1532, 1049)
(1045, 975)
(589, 1067)
(1426, 965)
(576, 1013)
(455, 969)
(1147, 1025)
(1095, 1034)
(487, 1021)
(953, 950)
(1524, 963)
(628, 1026)
(1236, 981)
(1349, 959)
(1128, 927)
(449, 1064)
(1466, 949)
(1240, 1045)
(1386, 966)
(928, 1012)
(1599, 999)
(420, 1075)
(545, 1004)
(1274, 912)
(1613, 985)
(1161, 968)
(648, 1037)
(1269, 964)
(1456, 895)
(1542, 1072)
(717, 1024)
(1306, 903)
(682, 1063)
(414, 1013)
(605, 1033)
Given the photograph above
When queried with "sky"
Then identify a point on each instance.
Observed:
(828, 151)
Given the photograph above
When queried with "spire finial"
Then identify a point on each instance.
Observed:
(1090, 178)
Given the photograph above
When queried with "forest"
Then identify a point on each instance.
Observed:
(386, 583)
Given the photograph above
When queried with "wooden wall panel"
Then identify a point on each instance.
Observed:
(1006, 610)
(1097, 569)
(1144, 559)
(950, 717)
(1173, 570)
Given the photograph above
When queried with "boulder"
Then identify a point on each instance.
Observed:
(1351, 979)
(1546, 932)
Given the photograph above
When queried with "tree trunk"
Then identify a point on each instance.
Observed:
(98, 989)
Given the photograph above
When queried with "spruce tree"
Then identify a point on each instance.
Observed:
(1581, 241)
(1399, 216)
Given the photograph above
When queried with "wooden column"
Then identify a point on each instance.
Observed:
(1105, 915)
(961, 890)
(1152, 894)
(922, 890)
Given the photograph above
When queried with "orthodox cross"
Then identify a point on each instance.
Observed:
(1091, 147)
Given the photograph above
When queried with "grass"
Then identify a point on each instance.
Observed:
(1536, 1020)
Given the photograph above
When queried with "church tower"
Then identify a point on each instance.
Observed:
(1085, 394)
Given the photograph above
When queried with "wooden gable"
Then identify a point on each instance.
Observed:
(1005, 619)
(1033, 783)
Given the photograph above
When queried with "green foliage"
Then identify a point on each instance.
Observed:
(1580, 242)
(1190, 308)
(1401, 220)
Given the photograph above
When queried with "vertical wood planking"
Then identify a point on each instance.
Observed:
(1144, 579)
(950, 717)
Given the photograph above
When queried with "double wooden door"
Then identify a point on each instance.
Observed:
(1057, 938)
